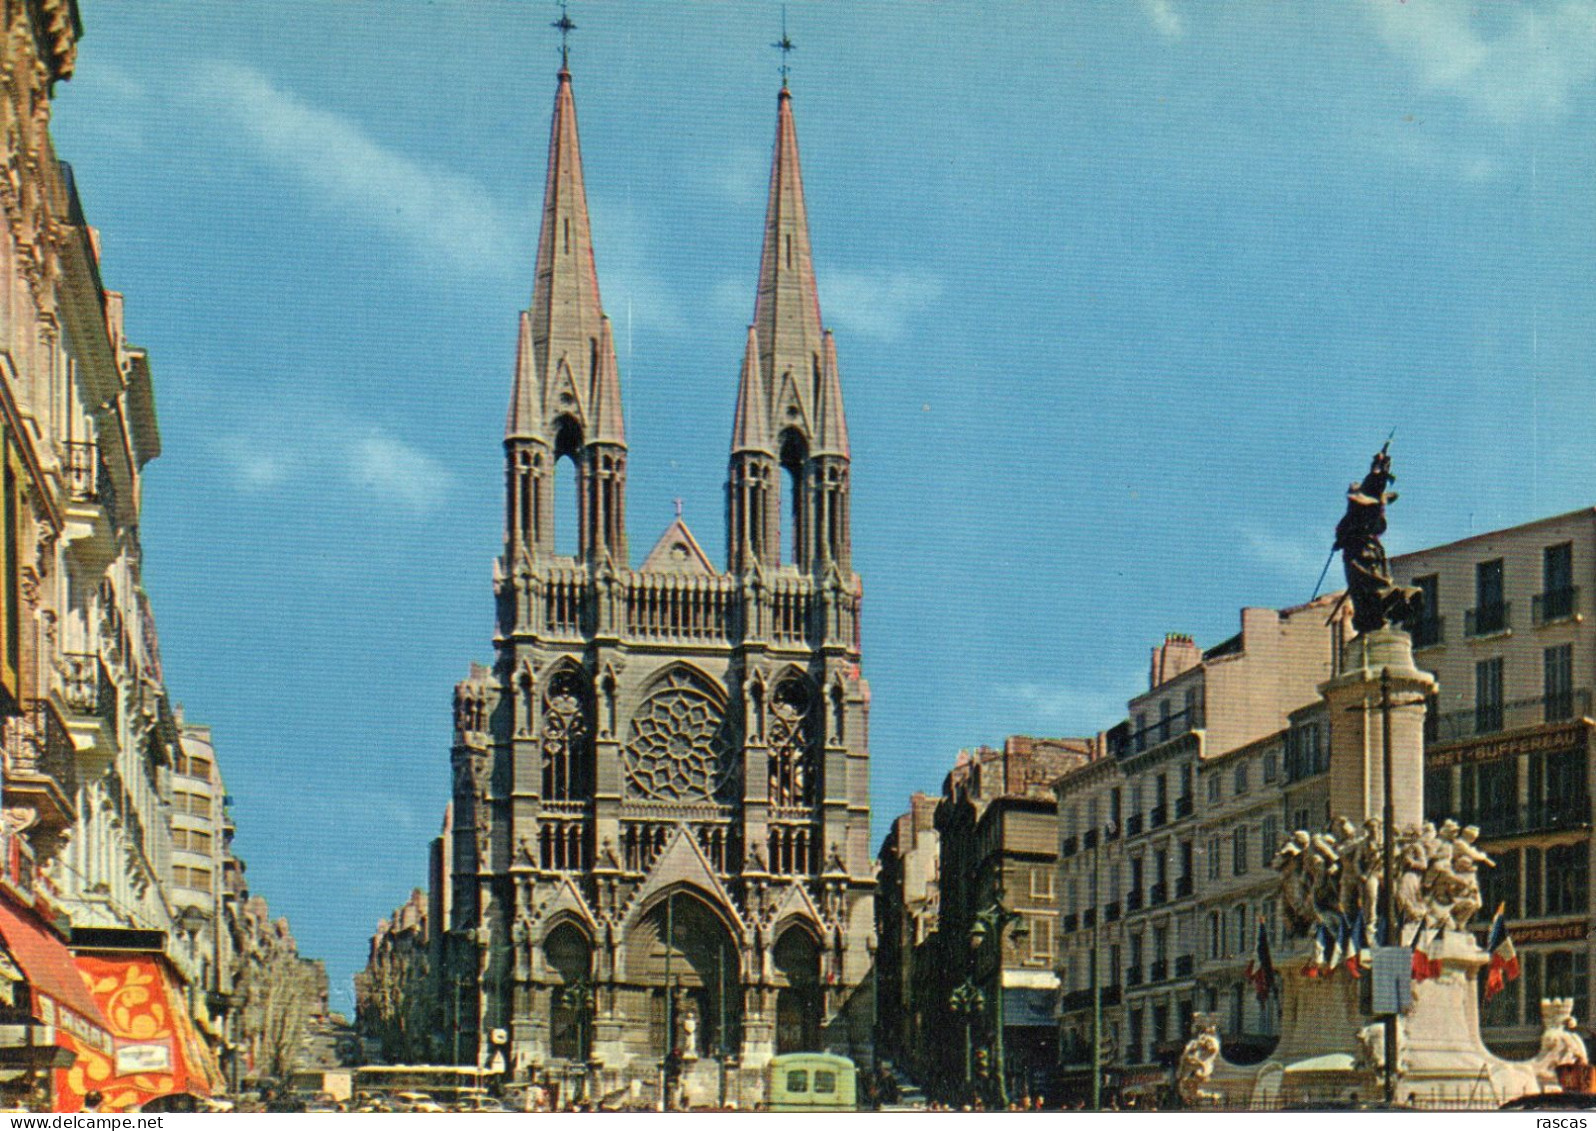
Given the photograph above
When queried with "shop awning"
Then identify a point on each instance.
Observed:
(1027, 1008)
(154, 1050)
(47, 965)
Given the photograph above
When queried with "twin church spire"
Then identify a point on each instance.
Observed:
(565, 401)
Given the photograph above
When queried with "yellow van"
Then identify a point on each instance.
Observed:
(812, 1081)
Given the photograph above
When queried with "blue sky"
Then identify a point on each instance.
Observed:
(1124, 295)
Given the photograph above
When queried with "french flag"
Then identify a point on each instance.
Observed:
(1261, 967)
(1504, 958)
(1425, 966)
(1323, 949)
(1357, 954)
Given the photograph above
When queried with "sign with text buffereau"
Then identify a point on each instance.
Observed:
(1392, 973)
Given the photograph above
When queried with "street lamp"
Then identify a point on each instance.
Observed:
(1098, 836)
(967, 1000)
(989, 926)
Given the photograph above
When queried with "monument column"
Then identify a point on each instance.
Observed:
(1357, 771)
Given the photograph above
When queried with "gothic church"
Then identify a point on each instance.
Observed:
(661, 787)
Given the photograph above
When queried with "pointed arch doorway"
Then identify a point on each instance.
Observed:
(686, 957)
(798, 991)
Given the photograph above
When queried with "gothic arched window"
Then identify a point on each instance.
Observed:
(565, 739)
(791, 743)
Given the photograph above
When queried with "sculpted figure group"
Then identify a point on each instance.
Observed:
(1333, 877)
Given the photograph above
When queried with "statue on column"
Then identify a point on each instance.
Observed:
(1376, 600)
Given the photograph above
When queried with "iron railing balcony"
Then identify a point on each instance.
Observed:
(1183, 886)
(1488, 620)
(1489, 718)
(1554, 605)
(1162, 730)
(1159, 894)
(1159, 971)
(1183, 806)
(82, 471)
(1427, 632)
(1550, 815)
(1133, 900)
(1133, 825)
(1183, 965)
(1159, 817)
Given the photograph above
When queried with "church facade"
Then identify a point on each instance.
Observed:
(661, 786)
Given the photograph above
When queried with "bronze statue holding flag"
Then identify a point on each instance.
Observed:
(1376, 600)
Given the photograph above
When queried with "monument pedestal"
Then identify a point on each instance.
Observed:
(1332, 1047)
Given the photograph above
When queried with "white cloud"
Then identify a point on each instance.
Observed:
(254, 468)
(396, 471)
(1073, 707)
(740, 176)
(1295, 555)
(446, 217)
(1507, 64)
(367, 462)
(1166, 20)
(876, 304)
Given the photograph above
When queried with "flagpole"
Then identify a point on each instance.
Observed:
(1388, 880)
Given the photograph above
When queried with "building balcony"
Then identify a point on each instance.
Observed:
(1184, 966)
(1077, 1000)
(41, 766)
(1554, 605)
(1552, 815)
(1160, 731)
(1183, 806)
(89, 697)
(1112, 831)
(1069, 846)
(1488, 620)
(1133, 900)
(1159, 971)
(1159, 817)
(1111, 912)
(1183, 886)
(1133, 825)
(1159, 893)
(1133, 975)
(90, 535)
(1490, 718)
(1428, 632)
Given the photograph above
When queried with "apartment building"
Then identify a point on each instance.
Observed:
(1243, 804)
(1507, 636)
(1138, 834)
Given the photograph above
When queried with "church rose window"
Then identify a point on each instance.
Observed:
(565, 738)
(791, 779)
(678, 750)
